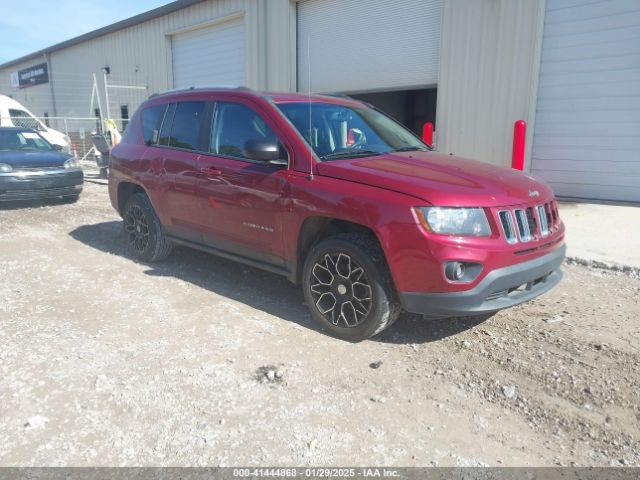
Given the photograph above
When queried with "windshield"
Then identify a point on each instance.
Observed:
(20, 118)
(337, 131)
(17, 140)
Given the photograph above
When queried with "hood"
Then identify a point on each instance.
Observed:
(440, 179)
(30, 159)
(55, 137)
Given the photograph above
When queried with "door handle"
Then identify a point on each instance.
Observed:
(211, 172)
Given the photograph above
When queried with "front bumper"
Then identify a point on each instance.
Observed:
(38, 184)
(500, 289)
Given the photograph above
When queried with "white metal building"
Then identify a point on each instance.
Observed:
(569, 68)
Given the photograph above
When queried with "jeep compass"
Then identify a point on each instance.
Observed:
(339, 198)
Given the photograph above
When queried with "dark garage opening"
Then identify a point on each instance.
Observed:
(412, 108)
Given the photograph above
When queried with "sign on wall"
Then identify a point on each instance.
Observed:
(31, 76)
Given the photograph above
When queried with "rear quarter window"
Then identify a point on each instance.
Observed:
(151, 122)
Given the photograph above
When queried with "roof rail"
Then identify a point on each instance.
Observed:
(201, 87)
(337, 94)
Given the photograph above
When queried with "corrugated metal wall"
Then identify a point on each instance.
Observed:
(588, 116)
(394, 44)
(141, 55)
(38, 98)
(488, 75)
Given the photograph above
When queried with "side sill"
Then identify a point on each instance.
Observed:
(284, 271)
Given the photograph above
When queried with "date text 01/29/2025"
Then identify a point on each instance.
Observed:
(314, 472)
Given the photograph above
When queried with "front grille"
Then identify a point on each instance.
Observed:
(544, 220)
(523, 225)
(506, 219)
(38, 169)
(527, 224)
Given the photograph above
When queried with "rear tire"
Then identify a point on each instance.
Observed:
(145, 237)
(348, 287)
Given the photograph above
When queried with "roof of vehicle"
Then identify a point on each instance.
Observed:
(277, 97)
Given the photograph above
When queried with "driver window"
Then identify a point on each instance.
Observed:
(234, 124)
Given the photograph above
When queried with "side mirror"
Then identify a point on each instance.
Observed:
(261, 150)
(57, 148)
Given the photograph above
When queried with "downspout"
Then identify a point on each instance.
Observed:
(47, 59)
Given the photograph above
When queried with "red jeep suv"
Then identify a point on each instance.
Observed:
(338, 197)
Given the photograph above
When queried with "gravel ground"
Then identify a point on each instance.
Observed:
(202, 361)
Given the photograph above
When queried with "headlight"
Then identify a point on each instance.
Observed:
(454, 221)
(71, 163)
(5, 168)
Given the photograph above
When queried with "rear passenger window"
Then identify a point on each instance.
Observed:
(151, 120)
(187, 125)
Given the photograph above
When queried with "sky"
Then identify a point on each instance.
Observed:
(31, 25)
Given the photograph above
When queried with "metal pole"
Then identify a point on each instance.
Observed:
(95, 83)
(427, 133)
(106, 93)
(519, 133)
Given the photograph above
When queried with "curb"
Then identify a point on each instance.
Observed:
(610, 266)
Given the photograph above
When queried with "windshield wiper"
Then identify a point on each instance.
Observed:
(412, 148)
(352, 154)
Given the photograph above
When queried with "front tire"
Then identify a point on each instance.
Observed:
(145, 238)
(348, 287)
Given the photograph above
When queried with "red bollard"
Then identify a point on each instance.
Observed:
(519, 134)
(427, 133)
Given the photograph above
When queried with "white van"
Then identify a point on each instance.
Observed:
(14, 114)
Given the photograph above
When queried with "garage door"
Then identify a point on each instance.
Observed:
(587, 130)
(361, 45)
(209, 56)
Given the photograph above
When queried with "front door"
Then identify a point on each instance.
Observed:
(241, 199)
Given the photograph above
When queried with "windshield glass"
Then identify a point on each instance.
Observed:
(17, 140)
(338, 131)
(20, 118)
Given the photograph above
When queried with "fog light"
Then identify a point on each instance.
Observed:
(459, 271)
(455, 271)
(462, 271)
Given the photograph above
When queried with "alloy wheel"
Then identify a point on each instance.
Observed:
(137, 228)
(341, 290)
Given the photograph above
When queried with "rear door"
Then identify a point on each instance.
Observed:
(241, 200)
(175, 164)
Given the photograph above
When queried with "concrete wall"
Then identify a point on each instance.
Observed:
(488, 75)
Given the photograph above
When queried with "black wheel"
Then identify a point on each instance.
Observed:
(145, 238)
(348, 287)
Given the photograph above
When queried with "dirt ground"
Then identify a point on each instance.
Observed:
(202, 361)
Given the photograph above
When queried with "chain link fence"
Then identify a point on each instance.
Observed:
(78, 107)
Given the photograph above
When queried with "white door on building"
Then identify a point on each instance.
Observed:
(209, 56)
(587, 130)
(365, 45)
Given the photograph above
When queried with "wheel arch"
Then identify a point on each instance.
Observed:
(316, 228)
(125, 190)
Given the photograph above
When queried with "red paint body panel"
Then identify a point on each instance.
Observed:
(261, 209)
